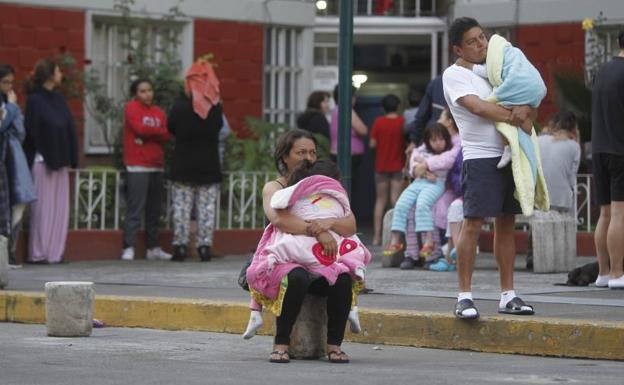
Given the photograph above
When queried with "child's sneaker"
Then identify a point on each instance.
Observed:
(255, 323)
(128, 254)
(157, 254)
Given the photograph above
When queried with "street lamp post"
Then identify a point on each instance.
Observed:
(345, 64)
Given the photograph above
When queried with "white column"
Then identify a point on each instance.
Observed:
(434, 54)
(445, 50)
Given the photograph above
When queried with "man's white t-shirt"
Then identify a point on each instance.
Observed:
(479, 137)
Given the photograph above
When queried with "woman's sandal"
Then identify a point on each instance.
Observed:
(336, 357)
(284, 357)
(426, 250)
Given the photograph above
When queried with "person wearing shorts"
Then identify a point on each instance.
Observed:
(608, 168)
(488, 191)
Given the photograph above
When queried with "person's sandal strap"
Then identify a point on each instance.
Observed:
(462, 306)
(281, 359)
(518, 307)
(335, 357)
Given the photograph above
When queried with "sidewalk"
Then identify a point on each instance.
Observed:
(405, 308)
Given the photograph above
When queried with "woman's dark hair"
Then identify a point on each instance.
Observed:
(437, 130)
(565, 120)
(459, 27)
(316, 98)
(44, 70)
(6, 69)
(134, 86)
(390, 103)
(353, 91)
(285, 143)
(621, 39)
(305, 168)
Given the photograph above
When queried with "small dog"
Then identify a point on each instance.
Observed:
(583, 275)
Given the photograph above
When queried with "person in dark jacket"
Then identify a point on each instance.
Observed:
(195, 120)
(51, 148)
(314, 118)
(429, 111)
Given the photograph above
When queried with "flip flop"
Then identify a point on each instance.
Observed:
(392, 249)
(335, 357)
(517, 306)
(462, 306)
(281, 359)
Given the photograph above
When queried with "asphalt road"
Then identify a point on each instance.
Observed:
(141, 356)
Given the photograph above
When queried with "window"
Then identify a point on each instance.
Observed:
(282, 74)
(325, 49)
(108, 53)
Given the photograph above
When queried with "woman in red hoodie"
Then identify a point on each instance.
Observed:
(145, 132)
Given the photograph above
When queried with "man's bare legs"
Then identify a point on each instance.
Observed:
(600, 240)
(615, 239)
(505, 249)
(466, 251)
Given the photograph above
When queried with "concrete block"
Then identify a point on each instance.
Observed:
(554, 242)
(4, 262)
(395, 260)
(69, 308)
(309, 335)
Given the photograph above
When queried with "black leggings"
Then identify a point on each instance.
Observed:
(338, 304)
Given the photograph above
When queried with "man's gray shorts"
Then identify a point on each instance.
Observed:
(488, 191)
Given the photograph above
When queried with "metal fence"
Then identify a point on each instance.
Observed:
(98, 201)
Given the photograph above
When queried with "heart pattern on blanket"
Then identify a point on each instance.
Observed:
(317, 250)
(347, 246)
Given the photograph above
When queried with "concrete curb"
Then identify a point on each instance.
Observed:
(531, 336)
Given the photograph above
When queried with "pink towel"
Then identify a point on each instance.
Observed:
(202, 83)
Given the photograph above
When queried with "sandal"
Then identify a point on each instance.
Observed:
(462, 306)
(442, 265)
(392, 249)
(426, 250)
(336, 357)
(284, 357)
(517, 306)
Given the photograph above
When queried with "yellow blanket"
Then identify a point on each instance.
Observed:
(530, 193)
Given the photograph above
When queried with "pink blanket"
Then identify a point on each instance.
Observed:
(315, 197)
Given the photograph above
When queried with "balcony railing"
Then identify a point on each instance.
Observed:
(98, 202)
(399, 8)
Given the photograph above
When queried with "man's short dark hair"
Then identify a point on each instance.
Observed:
(459, 27)
(390, 103)
(621, 39)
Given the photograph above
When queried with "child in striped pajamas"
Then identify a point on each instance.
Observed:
(424, 191)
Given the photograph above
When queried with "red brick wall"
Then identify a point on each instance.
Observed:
(238, 50)
(28, 34)
(553, 48)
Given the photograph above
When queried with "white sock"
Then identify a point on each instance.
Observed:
(505, 158)
(466, 295)
(354, 320)
(255, 323)
(506, 296)
(602, 281)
